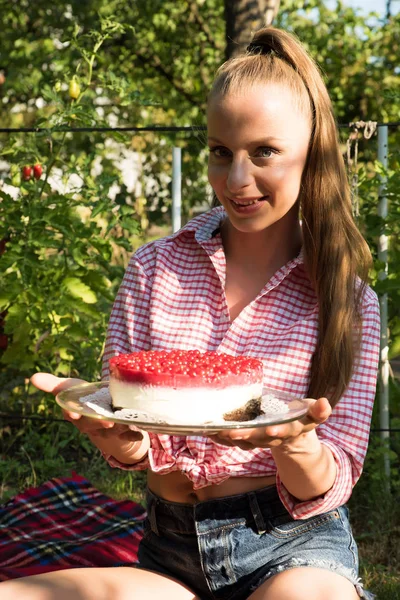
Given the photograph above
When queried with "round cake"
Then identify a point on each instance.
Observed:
(187, 386)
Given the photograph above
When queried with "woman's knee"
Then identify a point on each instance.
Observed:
(115, 583)
(306, 583)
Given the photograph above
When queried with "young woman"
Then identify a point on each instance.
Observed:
(277, 271)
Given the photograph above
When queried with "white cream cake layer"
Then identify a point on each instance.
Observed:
(185, 405)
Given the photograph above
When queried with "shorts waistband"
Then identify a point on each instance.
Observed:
(257, 506)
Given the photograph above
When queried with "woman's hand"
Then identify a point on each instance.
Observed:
(274, 436)
(126, 443)
(306, 467)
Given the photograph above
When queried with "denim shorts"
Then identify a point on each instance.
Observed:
(225, 548)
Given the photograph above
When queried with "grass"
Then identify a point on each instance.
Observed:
(31, 452)
(378, 542)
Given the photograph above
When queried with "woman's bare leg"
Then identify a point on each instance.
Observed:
(112, 583)
(306, 583)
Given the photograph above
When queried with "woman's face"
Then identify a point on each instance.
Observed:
(258, 142)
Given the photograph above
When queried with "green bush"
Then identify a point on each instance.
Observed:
(62, 234)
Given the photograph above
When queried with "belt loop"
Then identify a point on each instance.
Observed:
(257, 514)
(152, 516)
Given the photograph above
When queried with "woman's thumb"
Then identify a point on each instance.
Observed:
(321, 410)
(52, 384)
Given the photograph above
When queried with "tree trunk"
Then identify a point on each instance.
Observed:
(243, 18)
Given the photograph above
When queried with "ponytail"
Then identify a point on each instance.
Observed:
(336, 255)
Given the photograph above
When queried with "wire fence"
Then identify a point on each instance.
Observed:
(161, 128)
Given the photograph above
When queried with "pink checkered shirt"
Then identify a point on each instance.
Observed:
(172, 296)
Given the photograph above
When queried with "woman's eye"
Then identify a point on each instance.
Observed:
(261, 152)
(219, 151)
(265, 152)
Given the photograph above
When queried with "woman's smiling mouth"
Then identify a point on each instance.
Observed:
(245, 205)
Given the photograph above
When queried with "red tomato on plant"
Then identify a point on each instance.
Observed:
(37, 171)
(27, 172)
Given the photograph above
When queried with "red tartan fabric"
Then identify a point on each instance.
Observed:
(67, 523)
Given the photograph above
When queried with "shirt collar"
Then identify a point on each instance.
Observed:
(207, 225)
(211, 227)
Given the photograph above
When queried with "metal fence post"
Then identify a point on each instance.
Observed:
(383, 300)
(176, 188)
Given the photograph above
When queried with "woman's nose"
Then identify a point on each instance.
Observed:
(240, 174)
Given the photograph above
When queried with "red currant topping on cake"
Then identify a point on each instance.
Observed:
(185, 368)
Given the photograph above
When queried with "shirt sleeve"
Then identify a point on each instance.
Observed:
(346, 432)
(128, 329)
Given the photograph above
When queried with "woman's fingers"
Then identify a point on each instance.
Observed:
(275, 435)
(86, 424)
(121, 431)
(71, 416)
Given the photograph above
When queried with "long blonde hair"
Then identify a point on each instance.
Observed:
(336, 255)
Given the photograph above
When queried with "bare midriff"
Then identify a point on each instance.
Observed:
(176, 487)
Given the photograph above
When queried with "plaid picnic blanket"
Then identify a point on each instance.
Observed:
(66, 523)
